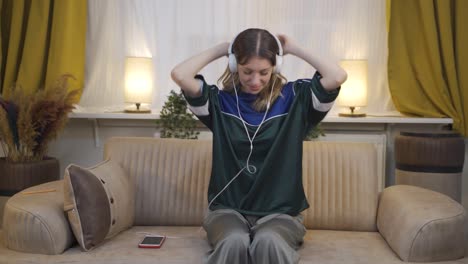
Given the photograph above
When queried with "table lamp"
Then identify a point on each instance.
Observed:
(138, 84)
(353, 93)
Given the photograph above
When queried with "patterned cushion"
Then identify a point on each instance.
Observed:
(99, 202)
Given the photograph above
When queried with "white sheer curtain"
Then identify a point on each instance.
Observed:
(172, 30)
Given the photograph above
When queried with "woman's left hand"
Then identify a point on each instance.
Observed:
(287, 43)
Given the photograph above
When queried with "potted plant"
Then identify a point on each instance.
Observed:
(316, 132)
(28, 122)
(175, 121)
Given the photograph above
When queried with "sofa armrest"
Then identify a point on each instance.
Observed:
(421, 225)
(34, 220)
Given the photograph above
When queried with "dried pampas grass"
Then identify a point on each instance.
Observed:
(40, 117)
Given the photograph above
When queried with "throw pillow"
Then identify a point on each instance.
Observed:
(99, 202)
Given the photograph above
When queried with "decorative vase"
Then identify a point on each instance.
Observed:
(18, 176)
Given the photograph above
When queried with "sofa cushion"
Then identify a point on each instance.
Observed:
(98, 201)
(421, 225)
(36, 214)
(188, 245)
(342, 181)
(171, 176)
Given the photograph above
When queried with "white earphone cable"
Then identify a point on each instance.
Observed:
(251, 139)
(247, 166)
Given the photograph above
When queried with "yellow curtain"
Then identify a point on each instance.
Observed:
(41, 40)
(428, 56)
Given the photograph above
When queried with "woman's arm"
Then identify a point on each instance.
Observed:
(332, 74)
(183, 74)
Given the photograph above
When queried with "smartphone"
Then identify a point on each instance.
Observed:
(152, 241)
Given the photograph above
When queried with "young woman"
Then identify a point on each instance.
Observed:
(258, 122)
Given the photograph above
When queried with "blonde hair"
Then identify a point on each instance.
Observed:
(261, 102)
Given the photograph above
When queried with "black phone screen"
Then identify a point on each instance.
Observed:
(152, 240)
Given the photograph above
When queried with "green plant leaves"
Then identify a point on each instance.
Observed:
(175, 121)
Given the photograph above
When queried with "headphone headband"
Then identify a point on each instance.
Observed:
(233, 61)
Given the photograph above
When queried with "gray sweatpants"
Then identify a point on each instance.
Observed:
(236, 238)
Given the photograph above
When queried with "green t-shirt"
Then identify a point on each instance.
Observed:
(276, 185)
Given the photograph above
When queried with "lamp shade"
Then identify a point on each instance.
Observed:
(138, 80)
(353, 91)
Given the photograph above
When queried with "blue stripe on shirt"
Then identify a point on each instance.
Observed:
(279, 107)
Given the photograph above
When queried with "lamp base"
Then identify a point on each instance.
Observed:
(352, 114)
(139, 111)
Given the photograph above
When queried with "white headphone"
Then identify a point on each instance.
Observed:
(232, 61)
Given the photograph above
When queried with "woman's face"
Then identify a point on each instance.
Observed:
(255, 74)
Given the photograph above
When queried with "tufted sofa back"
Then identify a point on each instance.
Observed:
(342, 181)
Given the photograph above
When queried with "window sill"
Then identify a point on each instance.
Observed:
(380, 118)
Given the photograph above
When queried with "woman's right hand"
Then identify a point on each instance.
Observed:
(183, 74)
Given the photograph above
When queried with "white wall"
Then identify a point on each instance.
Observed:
(172, 31)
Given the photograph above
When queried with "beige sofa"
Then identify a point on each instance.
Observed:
(352, 219)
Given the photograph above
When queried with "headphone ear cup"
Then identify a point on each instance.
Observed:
(232, 63)
(279, 63)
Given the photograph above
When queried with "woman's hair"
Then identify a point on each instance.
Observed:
(250, 43)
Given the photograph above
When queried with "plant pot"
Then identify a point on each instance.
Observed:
(15, 177)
